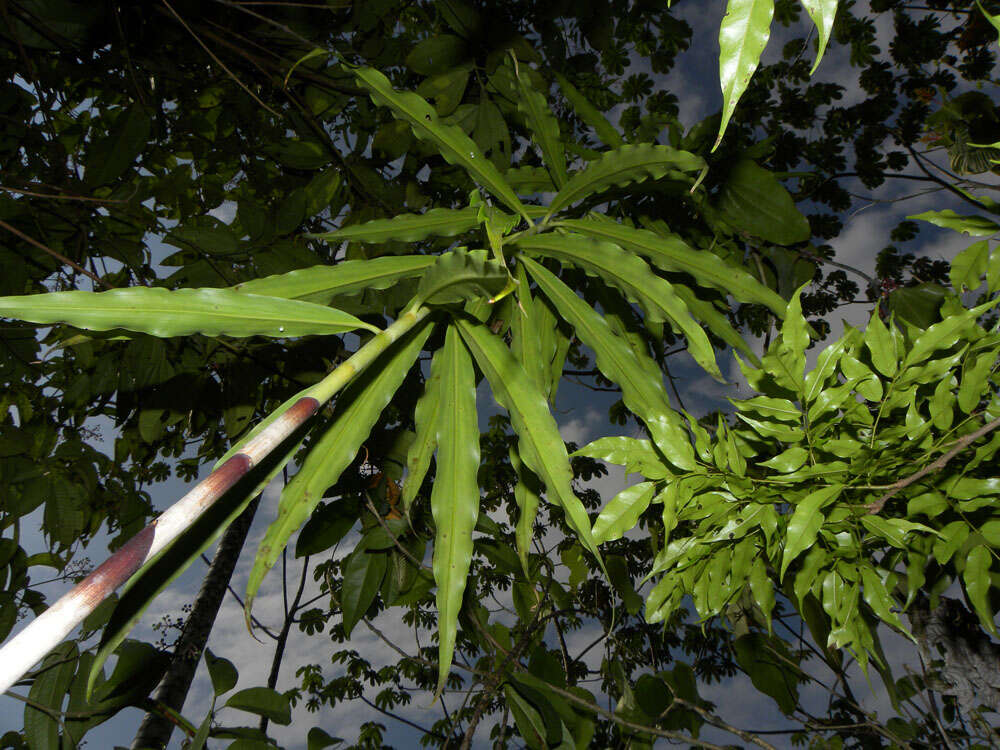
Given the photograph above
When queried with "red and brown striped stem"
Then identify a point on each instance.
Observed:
(47, 630)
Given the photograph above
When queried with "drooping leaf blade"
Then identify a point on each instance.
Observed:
(421, 450)
(743, 35)
(451, 141)
(359, 407)
(805, 523)
(823, 13)
(625, 165)
(544, 128)
(438, 222)
(631, 275)
(180, 312)
(673, 254)
(645, 396)
(539, 443)
(455, 497)
(320, 284)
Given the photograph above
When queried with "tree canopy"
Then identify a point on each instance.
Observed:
(339, 240)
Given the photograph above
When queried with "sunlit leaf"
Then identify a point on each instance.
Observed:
(622, 512)
(743, 35)
(438, 222)
(806, 522)
(540, 446)
(822, 12)
(624, 165)
(976, 226)
(180, 312)
(453, 144)
(455, 497)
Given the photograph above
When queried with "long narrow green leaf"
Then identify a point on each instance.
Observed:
(630, 163)
(539, 444)
(455, 497)
(438, 222)
(716, 322)
(622, 512)
(589, 113)
(742, 37)
(451, 141)
(526, 334)
(633, 276)
(673, 254)
(527, 493)
(822, 12)
(162, 312)
(421, 450)
(643, 395)
(320, 284)
(359, 407)
(544, 129)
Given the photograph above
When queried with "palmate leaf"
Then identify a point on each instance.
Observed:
(455, 497)
(673, 254)
(544, 128)
(643, 395)
(742, 37)
(627, 164)
(539, 444)
(453, 144)
(164, 313)
(320, 284)
(633, 276)
(823, 13)
(359, 407)
(438, 222)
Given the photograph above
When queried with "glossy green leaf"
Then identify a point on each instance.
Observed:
(363, 571)
(327, 525)
(438, 222)
(878, 598)
(943, 335)
(164, 313)
(673, 254)
(788, 460)
(975, 375)
(754, 202)
(221, 671)
(976, 226)
(637, 456)
(589, 113)
(762, 589)
(806, 522)
(48, 690)
(359, 407)
(786, 359)
(462, 275)
(622, 512)
(969, 265)
(976, 577)
(774, 408)
(320, 284)
(716, 321)
(527, 495)
(644, 395)
(743, 35)
(881, 346)
(623, 166)
(632, 276)
(263, 701)
(455, 497)
(544, 127)
(453, 144)
(822, 12)
(539, 443)
(421, 450)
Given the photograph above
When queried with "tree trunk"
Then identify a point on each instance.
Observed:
(155, 730)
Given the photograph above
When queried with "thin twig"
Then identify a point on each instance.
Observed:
(936, 464)
(57, 255)
(219, 62)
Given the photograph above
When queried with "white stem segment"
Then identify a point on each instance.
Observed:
(47, 630)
